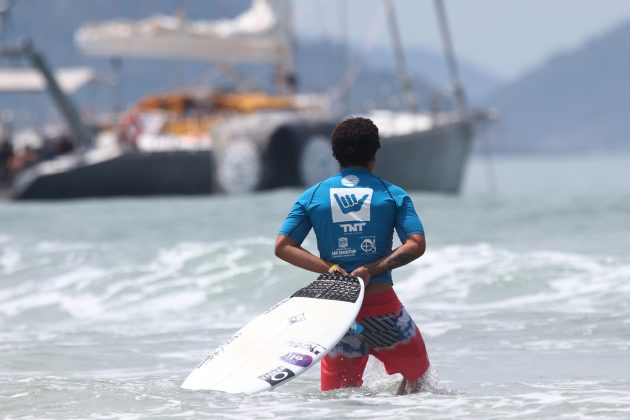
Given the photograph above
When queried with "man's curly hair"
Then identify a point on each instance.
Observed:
(355, 142)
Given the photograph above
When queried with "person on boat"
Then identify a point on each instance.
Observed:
(6, 154)
(354, 214)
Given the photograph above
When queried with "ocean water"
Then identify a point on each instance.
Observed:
(523, 298)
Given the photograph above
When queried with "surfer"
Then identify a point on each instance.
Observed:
(354, 214)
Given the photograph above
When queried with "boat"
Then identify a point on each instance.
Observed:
(423, 153)
(203, 141)
(196, 140)
(426, 150)
(157, 150)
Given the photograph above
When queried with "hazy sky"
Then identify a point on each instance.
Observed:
(504, 37)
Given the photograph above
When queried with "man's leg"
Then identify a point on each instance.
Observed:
(409, 387)
(402, 388)
(343, 367)
(407, 355)
(339, 371)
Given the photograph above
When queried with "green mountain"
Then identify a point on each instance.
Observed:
(578, 101)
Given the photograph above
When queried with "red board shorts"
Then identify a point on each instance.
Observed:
(388, 333)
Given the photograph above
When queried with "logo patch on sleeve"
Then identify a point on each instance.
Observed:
(350, 204)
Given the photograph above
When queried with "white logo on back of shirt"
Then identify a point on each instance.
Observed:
(350, 180)
(350, 204)
(352, 227)
(369, 245)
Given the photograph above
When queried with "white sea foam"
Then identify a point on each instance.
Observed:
(54, 291)
(437, 328)
(481, 277)
(10, 260)
(183, 277)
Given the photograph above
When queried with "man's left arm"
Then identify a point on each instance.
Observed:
(413, 248)
(288, 250)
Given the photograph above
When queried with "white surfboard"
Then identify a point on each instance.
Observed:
(283, 342)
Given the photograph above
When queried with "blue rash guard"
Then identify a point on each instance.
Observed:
(353, 214)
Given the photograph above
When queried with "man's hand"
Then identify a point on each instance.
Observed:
(412, 248)
(339, 269)
(362, 273)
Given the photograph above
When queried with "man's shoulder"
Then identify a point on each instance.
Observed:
(330, 182)
(320, 186)
(372, 181)
(393, 189)
(368, 180)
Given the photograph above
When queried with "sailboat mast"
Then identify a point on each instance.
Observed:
(403, 75)
(449, 52)
(286, 78)
(5, 17)
(81, 133)
(345, 42)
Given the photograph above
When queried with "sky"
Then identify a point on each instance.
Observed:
(505, 38)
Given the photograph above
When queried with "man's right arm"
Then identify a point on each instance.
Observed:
(413, 248)
(288, 250)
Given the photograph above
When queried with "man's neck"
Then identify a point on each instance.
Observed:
(361, 168)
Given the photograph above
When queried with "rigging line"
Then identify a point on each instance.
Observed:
(208, 77)
(243, 83)
(353, 70)
(344, 25)
(326, 24)
(449, 52)
(489, 157)
(403, 75)
(314, 9)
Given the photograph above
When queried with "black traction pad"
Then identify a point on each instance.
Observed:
(332, 287)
